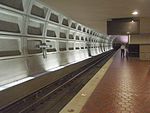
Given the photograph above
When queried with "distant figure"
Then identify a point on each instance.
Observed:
(122, 50)
(127, 53)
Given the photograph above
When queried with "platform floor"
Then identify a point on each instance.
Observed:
(125, 88)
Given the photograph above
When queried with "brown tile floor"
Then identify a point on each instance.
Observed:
(125, 88)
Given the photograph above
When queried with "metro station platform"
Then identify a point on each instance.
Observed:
(121, 86)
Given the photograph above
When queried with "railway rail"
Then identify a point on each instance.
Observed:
(53, 97)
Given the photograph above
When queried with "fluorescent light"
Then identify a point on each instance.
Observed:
(135, 13)
(132, 21)
(128, 32)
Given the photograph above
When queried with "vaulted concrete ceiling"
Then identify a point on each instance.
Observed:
(94, 13)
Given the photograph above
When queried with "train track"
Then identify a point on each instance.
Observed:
(52, 98)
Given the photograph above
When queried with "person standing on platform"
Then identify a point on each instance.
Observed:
(127, 52)
(122, 50)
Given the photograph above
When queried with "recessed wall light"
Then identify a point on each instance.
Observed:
(128, 32)
(135, 13)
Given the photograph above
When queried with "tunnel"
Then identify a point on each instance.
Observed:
(55, 53)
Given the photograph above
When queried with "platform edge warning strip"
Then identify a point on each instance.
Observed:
(76, 104)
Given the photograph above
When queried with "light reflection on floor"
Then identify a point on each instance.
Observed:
(15, 83)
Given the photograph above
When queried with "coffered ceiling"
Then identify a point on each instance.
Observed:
(95, 13)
